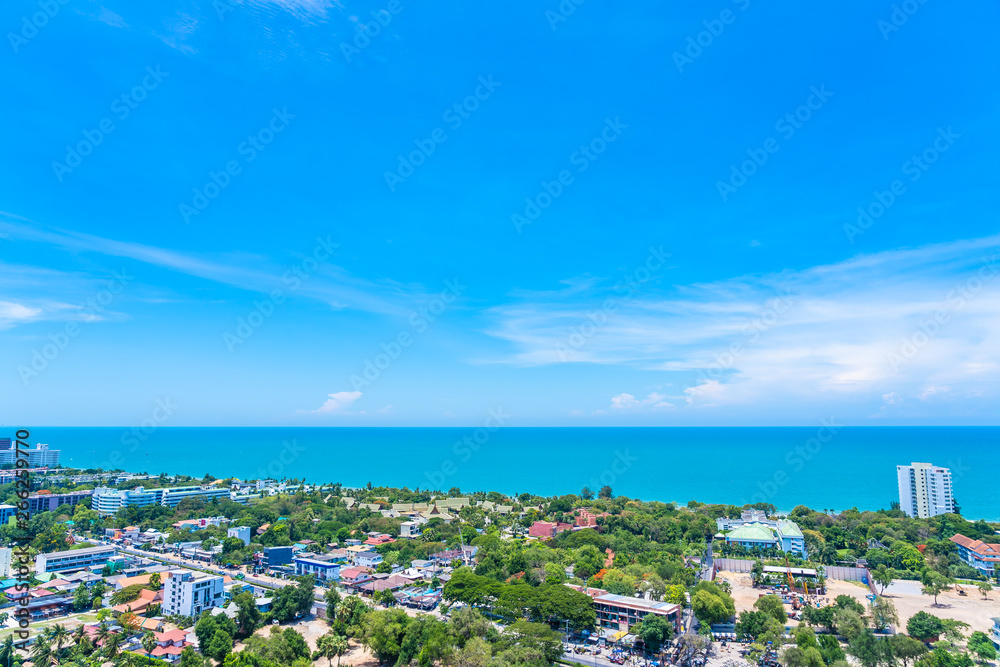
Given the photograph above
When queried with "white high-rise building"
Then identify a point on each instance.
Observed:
(925, 490)
(187, 593)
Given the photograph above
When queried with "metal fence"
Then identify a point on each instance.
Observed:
(831, 571)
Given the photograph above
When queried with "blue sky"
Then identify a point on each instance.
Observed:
(400, 213)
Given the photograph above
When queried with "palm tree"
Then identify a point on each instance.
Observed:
(103, 632)
(128, 659)
(60, 635)
(324, 645)
(79, 634)
(148, 643)
(340, 647)
(7, 650)
(113, 645)
(41, 653)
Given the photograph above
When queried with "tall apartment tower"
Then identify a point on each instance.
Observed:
(925, 490)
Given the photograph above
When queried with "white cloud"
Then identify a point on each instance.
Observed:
(654, 401)
(892, 398)
(819, 336)
(928, 392)
(338, 403)
(330, 284)
(13, 313)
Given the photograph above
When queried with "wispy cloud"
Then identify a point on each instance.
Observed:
(823, 333)
(333, 285)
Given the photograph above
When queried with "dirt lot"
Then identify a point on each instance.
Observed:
(972, 608)
(311, 629)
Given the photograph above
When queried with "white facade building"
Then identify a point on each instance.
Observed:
(242, 532)
(40, 457)
(5, 560)
(189, 593)
(108, 501)
(925, 490)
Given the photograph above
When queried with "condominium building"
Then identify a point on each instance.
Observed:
(74, 559)
(925, 490)
(188, 593)
(46, 501)
(110, 501)
(39, 457)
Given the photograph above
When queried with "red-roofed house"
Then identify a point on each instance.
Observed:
(980, 555)
(354, 575)
(379, 541)
(170, 645)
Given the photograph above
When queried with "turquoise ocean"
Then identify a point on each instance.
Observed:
(822, 468)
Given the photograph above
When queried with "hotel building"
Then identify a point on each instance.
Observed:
(110, 501)
(925, 490)
(39, 457)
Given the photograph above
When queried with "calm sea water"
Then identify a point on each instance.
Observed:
(851, 467)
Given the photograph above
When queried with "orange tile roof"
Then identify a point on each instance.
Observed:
(988, 552)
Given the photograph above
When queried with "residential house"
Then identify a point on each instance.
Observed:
(367, 559)
(352, 576)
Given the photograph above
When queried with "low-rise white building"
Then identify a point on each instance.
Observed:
(242, 532)
(74, 559)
